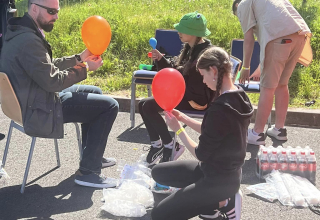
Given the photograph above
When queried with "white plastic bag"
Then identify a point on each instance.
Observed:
(283, 194)
(264, 190)
(308, 190)
(4, 177)
(292, 187)
(130, 199)
(139, 173)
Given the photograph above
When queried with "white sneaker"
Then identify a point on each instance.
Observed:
(255, 139)
(233, 210)
(280, 134)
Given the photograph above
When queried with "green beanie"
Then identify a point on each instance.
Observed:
(193, 24)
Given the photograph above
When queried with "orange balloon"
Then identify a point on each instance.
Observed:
(96, 34)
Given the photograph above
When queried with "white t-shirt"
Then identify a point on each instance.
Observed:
(270, 19)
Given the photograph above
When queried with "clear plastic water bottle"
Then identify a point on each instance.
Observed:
(261, 148)
(302, 164)
(298, 150)
(293, 166)
(312, 167)
(283, 162)
(273, 161)
(264, 163)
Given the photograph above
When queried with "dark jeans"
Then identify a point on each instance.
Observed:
(96, 112)
(155, 124)
(199, 194)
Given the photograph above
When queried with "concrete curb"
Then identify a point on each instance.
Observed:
(296, 116)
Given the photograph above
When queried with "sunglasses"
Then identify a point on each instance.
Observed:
(51, 11)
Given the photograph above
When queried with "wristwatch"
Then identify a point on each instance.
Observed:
(77, 56)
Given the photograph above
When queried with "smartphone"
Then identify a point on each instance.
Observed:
(286, 41)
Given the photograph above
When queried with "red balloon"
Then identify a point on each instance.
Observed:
(168, 88)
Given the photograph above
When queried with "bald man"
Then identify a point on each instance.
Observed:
(47, 94)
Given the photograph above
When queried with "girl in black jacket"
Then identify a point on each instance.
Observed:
(213, 182)
(191, 28)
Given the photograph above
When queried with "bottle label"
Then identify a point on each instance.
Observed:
(303, 167)
(264, 166)
(312, 167)
(284, 166)
(293, 166)
(274, 166)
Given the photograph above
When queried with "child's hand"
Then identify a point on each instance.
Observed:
(172, 121)
(156, 55)
(177, 114)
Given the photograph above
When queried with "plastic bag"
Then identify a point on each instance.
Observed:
(139, 173)
(283, 194)
(130, 199)
(264, 190)
(308, 190)
(296, 196)
(4, 177)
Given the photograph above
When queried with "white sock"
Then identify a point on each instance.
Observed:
(255, 133)
(156, 144)
(170, 145)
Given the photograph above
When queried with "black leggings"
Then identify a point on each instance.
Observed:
(198, 194)
(155, 124)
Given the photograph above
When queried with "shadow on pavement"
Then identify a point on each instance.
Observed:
(43, 202)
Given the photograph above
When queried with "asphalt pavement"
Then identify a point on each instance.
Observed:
(52, 194)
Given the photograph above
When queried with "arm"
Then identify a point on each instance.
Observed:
(65, 62)
(247, 55)
(173, 123)
(37, 64)
(192, 123)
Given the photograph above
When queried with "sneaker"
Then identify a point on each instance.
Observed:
(94, 180)
(280, 134)
(167, 152)
(233, 210)
(154, 155)
(108, 162)
(209, 217)
(255, 139)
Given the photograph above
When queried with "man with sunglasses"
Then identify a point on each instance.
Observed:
(46, 92)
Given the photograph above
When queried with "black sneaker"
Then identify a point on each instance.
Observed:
(280, 134)
(108, 162)
(179, 149)
(94, 180)
(154, 154)
(233, 210)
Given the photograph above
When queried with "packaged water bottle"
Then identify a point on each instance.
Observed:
(273, 164)
(270, 149)
(293, 167)
(302, 165)
(264, 163)
(283, 162)
(312, 167)
(261, 147)
(298, 150)
(289, 149)
(279, 149)
(307, 149)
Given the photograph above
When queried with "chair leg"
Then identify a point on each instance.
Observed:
(133, 103)
(7, 145)
(57, 152)
(28, 165)
(79, 139)
(149, 90)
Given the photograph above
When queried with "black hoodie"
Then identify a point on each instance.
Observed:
(196, 90)
(222, 146)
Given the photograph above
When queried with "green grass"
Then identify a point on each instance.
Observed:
(133, 23)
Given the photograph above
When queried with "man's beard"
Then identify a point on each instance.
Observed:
(47, 27)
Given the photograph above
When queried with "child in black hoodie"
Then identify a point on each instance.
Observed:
(210, 185)
(192, 29)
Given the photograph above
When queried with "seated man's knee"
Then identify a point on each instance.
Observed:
(149, 107)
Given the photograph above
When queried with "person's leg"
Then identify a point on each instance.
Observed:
(99, 112)
(199, 195)
(281, 105)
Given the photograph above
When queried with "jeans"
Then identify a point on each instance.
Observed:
(97, 113)
(199, 193)
(155, 124)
